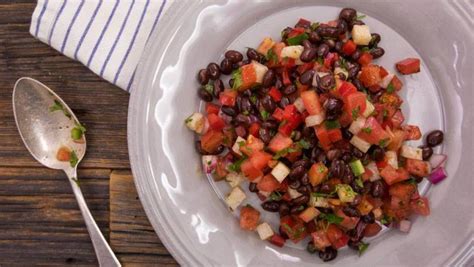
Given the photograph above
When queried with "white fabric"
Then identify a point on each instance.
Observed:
(108, 36)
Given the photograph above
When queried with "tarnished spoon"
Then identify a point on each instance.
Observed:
(55, 138)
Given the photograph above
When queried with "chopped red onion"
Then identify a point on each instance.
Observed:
(253, 118)
(437, 160)
(437, 175)
(404, 226)
(209, 163)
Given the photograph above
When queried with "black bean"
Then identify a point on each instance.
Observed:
(342, 26)
(231, 83)
(314, 37)
(279, 84)
(271, 206)
(242, 119)
(323, 50)
(296, 135)
(265, 135)
(253, 187)
(289, 89)
(309, 53)
(333, 107)
(228, 110)
(203, 76)
(354, 244)
(307, 77)
(204, 95)
(318, 154)
(434, 138)
(346, 134)
(367, 187)
(241, 131)
(302, 162)
(369, 218)
(305, 189)
(269, 78)
(305, 180)
(346, 157)
(297, 172)
(252, 54)
(356, 152)
(338, 46)
(234, 56)
(285, 32)
(331, 43)
(246, 105)
(356, 201)
(301, 200)
(218, 87)
(377, 153)
(348, 176)
(311, 248)
(427, 152)
(351, 211)
(327, 83)
(334, 154)
(375, 40)
(337, 169)
(270, 124)
(377, 52)
(378, 189)
(356, 55)
(284, 209)
(326, 189)
(327, 31)
(295, 210)
(328, 254)
(213, 70)
(268, 103)
(226, 66)
(358, 84)
(294, 184)
(348, 14)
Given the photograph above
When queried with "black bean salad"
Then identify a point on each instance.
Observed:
(314, 127)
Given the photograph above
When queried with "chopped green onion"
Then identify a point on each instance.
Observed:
(297, 40)
(332, 124)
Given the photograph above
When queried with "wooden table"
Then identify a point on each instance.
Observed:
(40, 222)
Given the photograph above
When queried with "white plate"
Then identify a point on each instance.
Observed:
(187, 213)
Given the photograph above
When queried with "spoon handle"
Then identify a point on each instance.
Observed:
(104, 253)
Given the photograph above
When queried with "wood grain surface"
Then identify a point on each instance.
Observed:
(40, 223)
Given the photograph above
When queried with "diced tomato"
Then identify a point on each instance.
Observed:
(372, 230)
(288, 63)
(345, 119)
(221, 170)
(249, 218)
(412, 132)
(381, 164)
(335, 135)
(285, 128)
(349, 48)
(396, 83)
(212, 108)
(365, 59)
(397, 119)
(250, 171)
(383, 72)
(254, 128)
(278, 114)
(293, 227)
(252, 146)
(320, 239)
(260, 159)
(279, 142)
(346, 89)
(290, 113)
(370, 75)
(372, 132)
(336, 236)
(330, 59)
(248, 76)
(408, 66)
(295, 155)
(268, 183)
(286, 77)
(291, 119)
(347, 222)
(323, 136)
(317, 173)
(296, 31)
(392, 175)
(63, 154)
(211, 140)
(420, 206)
(277, 240)
(277, 49)
(303, 68)
(215, 122)
(227, 97)
(275, 94)
(402, 190)
(416, 167)
(355, 103)
(311, 102)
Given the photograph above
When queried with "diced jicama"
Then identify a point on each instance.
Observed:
(293, 51)
(265, 45)
(299, 104)
(392, 159)
(361, 34)
(264, 231)
(357, 125)
(411, 152)
(372, 167)
(195, 122)
(314, 120)
(361, 144)
(238, 143)
(235, 198)
(280, 171)
(234, 179)
(369, 109)
(260, 70)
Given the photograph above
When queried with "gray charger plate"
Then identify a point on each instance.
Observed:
(187, 212)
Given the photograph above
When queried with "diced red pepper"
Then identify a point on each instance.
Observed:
(295, 32)
(383, 72)
(335, 135)
(254, 129)
(293, 227)
(396, 83)
(355, 104)
(323, 137)
(288, 62)
(349, 47)
(212, 108)
(365, 59)
(330, 59)
(408, 66)
(286, 77)
(215, 122)
(306, 66)
(278, 114)
(227, 97)
(336, 236)
(275, 94)
(346, 88)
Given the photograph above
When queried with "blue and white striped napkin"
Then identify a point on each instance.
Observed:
(108, 36)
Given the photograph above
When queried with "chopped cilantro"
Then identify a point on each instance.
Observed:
(332, 124)
(288, 229)
(385, 113)
(58, 106)
(271, 56)
(265, 114)
(365, 49)
(355, 113)
(383, 142)
(363, 247)
(304, 144)
(386, 219)
(188, 119)
(296, 40)
(359, 182)
(253, 99)
(331, 218)
(235, 167)
(246, 112)
(320, 60)
(73, 160)
(390, 88)
(412, 181)
(367, 130)
(321, 168)
(315, 194)
(276, 196)
(314, 26)
(343, 63)
(284, 152)
(209, 88)
(241, 143)
(75, 180)
(360, 17)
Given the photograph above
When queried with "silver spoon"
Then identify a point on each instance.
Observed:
(54, 137)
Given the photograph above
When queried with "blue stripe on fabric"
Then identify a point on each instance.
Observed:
(56, 20)
(86, 30)
(119, 35)
(152, 29)
(38, 23)
(132, 42)
(78, 11)
(102, 33)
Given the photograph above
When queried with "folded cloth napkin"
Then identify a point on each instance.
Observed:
(108, 36)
